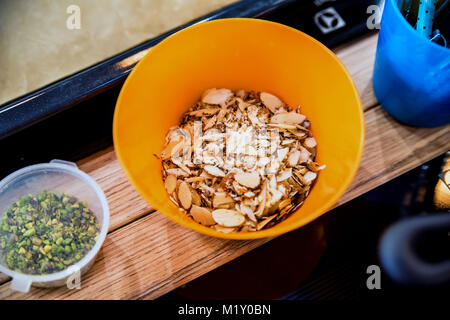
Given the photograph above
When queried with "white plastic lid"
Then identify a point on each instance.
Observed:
(56, 176)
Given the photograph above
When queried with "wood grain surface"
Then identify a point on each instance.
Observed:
(145, 255)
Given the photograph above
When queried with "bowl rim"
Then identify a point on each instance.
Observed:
(266, 233)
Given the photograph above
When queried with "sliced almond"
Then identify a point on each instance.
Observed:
(216, 96)
(172, 147)
(310, 177)
(248, 179)
(262, 204)
(204, 111)
(202, 215)
(285, 174)
(313, 166)
(228, 218)
(263, 223)
(293, 158)
(310, 143)
(272, 102)
(221, 199)
(210, 123)
(170, 183)
(195, 179)
(181, 165)
(248, 212)
(282, 154)
(176, 172)
(185, 195)
(304, 155)
(288, 118)
(196, 199)
(282, 126)
(214, 171)
(288, 141)
(300, 134)
(249, 194)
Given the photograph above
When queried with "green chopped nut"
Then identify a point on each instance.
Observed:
(37, 241)
(29, 232)
(46, 233)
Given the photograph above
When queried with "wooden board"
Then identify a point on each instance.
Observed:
(152, 255)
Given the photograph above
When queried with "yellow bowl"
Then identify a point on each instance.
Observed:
(246, 54)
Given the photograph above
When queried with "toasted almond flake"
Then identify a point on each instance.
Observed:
(195, 179)
(249, 194)
(304, 155)
(221, 199)
(170, 183)
(205, 112)
(285, 174)
(262, 203)
(216, 96)
(310, 176)
(288, 118)
(248, 212)
(282, 154)
(242, 105)
(310, 143)
(272, 102)
(185, 195)
(263, 223)
(289, 141)
(196, 199)
(293, 158)
(202, 215)
(300, 134)
(238, 188)
(252, 115)
(176, 172)
(228, 218)
(172, 148)
(248, 179)
(210, 123)
(174, 200)
(282, 126)
(214, 171)
(181, 165)
(207, 188)
(283, 204)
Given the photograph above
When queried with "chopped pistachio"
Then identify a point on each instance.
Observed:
(46, 233)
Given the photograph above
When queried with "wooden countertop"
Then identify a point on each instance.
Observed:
(145, 255)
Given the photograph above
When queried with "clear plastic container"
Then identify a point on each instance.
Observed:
(56, 176)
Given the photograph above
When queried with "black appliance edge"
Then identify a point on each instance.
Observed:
(60, 95)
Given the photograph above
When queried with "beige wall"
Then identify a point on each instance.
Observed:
(36, 47)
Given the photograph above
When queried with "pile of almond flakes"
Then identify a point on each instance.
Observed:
(244, 193)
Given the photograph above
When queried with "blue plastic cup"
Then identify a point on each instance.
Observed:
(411, 78)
